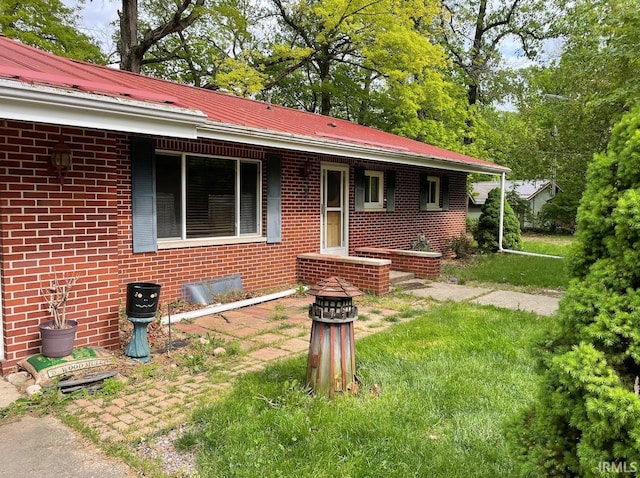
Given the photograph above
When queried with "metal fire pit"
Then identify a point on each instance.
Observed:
(331, 365)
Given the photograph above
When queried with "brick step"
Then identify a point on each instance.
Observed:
(397, 276)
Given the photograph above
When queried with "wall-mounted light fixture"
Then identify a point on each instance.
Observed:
(61, 160)
(305, 172)
(306, 169)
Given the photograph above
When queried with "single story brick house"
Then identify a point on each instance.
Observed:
(115, 178)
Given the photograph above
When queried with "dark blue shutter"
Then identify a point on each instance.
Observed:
(391, 191)
(358, 181)
(424, 188)
(274, 198)
(143, 194)
(444, 187)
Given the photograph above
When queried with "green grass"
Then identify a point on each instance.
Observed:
(449, 381)
(529, 272)
(552, 245)
(513, 269)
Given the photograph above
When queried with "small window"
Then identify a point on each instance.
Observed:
(430, 191)
(373, 192)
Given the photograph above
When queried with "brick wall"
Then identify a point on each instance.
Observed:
(260, 265)
(83, 227)
(425, 265)
(49, 229)
(398, 229)
(368, 275)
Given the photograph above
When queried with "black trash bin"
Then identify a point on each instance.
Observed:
(142, 299)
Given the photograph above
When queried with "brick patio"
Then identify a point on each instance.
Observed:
(266, 332)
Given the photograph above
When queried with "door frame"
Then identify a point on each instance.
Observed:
(344, 169)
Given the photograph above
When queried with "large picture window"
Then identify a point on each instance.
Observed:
(201, 197)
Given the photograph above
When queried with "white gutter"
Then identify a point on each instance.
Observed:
(44, 104)
(216, 309)
(277, 139)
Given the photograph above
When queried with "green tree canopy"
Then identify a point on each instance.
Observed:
(568, 107)
(49, 25)
(473, 32)
(333, 49)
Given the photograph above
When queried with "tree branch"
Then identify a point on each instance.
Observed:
(177, 24)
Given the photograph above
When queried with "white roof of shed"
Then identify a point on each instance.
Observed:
(526, 189)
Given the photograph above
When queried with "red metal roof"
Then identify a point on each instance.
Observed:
(30, 65)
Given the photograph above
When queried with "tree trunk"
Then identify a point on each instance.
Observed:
(128, 36)
(477, 62)
(475, 70)
(132, 49)
(325, 96)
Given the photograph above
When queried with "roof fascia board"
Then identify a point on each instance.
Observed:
(238, 134)
(43, 104)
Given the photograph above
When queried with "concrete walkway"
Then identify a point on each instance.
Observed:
(441, 291)
(33, 447)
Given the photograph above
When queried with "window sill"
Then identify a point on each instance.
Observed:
(374, 209)
(434, 209)
(208, 241)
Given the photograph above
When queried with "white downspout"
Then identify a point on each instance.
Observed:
(501, 225)
(501, 228)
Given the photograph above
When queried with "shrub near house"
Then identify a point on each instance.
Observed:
(486, 233)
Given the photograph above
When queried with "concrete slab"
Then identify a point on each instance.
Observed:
(441, 291)
(8, 394)
(44, 446)
(398, 276)
(539, 304)
(447, 291)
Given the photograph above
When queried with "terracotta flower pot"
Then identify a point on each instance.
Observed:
(57, 342)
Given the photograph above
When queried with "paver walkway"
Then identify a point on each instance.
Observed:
(265, 332)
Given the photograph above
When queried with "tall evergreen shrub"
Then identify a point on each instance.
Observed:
(486, 233)
(585, 420)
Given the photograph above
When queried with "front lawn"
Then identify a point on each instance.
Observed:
(444, 384)
(528, 272)
(555, 245)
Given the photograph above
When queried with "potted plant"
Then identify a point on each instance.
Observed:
(58, 334)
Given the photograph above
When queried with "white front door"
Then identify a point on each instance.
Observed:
(334, 207)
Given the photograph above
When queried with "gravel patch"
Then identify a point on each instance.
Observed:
(174, 462)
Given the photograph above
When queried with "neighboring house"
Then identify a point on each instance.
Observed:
(533, 193)
(173, 184)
